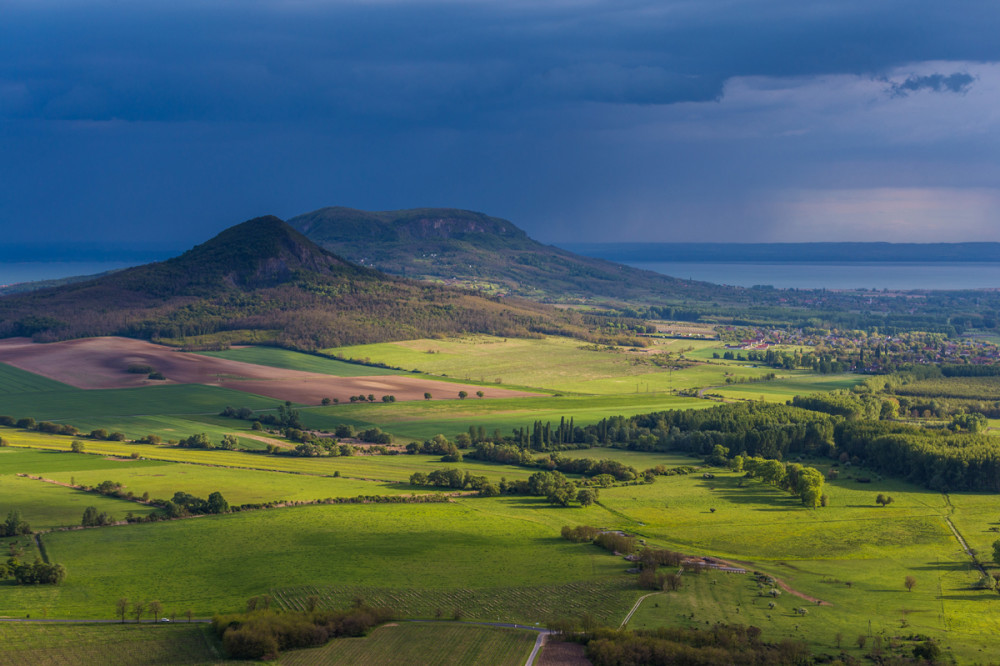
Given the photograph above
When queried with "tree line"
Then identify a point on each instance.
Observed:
(264, 633)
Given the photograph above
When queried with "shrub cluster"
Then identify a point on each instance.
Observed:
(580, 533)
(262, 634)
(39, 573)
(183, 504)
(103, 434)
(14, 525)
(721, 644)
(450, 478)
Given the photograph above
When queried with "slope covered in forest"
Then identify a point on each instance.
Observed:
(264, 275)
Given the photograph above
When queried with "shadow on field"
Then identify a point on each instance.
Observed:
(982, 596)
(530, 503)
(752, 491)
(944, 566)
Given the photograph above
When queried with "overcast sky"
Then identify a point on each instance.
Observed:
(668, 120)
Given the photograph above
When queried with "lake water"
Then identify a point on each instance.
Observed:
(838, 276)
(803, 276)
(14, 272)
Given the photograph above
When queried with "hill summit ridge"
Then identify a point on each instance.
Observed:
(485, 253)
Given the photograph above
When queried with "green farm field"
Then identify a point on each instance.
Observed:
(238, 486)
(494, 558)
(48, 506)
(432, 644)
(784, 388)
(560, 364)
(852, 554)
(72, 404)
(290, 360)
(505, 559)
(423, 420)
(180, 644)
(639, 459)
(14, 381)
(479, 545)
(392, 469)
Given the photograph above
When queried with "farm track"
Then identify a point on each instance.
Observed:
(539, 642)
(961, 539)
(635, 608)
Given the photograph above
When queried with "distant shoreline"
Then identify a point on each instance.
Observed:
(791, 253)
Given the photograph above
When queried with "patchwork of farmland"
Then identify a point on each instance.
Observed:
(478, 558)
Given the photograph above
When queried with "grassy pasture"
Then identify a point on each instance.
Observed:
(391, 469)
(429, 644)
(606, 600)
(291, 360)
(555, 363)
(14, 460)
(817, 552)
(14, 381)
(238, 486)
(494, 558)
(422, 420)
(173, 427)
(677, 511)
(977, 518)
(47, 506)
(73, 405)
(939, 606)
(641, 460)
(99, 644)
(784, 388)
(503, 558)
(215, 563)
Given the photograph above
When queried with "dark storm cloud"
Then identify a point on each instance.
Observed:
(427, 62)
(134, 118)
(958, 82)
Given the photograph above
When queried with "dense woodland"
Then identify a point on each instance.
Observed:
(721, 644)
(849, 428)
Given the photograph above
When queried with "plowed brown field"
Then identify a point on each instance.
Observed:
(101, 363)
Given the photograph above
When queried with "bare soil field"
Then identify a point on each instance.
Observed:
(102, 363)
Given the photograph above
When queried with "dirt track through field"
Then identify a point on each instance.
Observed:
(102, 363)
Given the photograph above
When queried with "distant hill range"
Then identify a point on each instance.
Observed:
(263, 275)
(838, 253)
(486, 253)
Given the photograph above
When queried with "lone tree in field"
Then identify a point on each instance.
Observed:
(427, 396)
(480, 394)
(76, 446)
(122, 608)
(586, 496)
(138, 608)
(462, 395)
(155, 607)
(217, 503)
(14, 525)
(910, 583)
(884, 500)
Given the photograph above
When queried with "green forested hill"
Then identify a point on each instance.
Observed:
(264, 275)
(475, 249)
